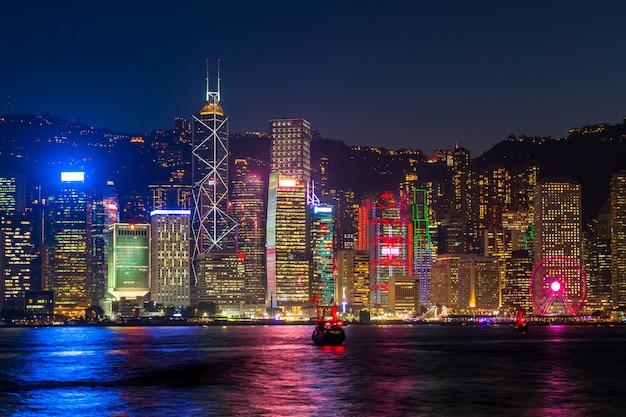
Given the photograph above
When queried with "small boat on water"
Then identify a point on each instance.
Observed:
(328, 332)
(521, 325)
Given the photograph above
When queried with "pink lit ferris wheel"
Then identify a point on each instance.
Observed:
(558, 286)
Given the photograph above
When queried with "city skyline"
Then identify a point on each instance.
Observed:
(417, 75)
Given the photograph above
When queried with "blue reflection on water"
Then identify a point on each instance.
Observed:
(277, 371)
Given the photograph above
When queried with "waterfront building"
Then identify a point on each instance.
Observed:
(444, 276)
(69, 271)
(170, 283)
(421, 248)
(384, 230)
(129, 266)
(19, 259)
(516, 287)
(558, 228)
(248, 209)
(597, 255)
(213, 228)
(322, 234)
(618, 238)
(288, 254)
(404, 296)
(353, 279)
(104, 213)
(224, 290)
(466, 282)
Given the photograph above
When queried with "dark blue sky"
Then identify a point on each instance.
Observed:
(419, 74)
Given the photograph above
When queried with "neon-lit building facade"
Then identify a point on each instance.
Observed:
(422, 252)
(288, 256)
(69, 246)
(387, 234)
(129, 261)
(322, 236)
(170, 283)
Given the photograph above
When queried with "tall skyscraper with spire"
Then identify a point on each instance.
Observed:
(288, 255)
(212, 227)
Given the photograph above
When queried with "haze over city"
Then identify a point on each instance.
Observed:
(409, 74)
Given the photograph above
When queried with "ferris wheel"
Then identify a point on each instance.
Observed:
(558, 286)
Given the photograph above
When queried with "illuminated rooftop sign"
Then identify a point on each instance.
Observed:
(286, 183)
(72, 177)
(170, 212)
(322, 209)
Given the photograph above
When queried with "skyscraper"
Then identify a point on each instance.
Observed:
(288, 256)
(104, 213)
(385, 229)
(19, 255)
(618, 238)
(69, 246)
(557, 219)
(322, 234)
(171, 237)
(129, 265)
(248, 209)
(422, 252)
(212, 227)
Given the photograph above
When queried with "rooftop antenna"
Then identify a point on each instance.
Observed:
(218, 79)
(9, 104)
(207, 80)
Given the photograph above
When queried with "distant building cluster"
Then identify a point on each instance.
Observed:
(247, 237)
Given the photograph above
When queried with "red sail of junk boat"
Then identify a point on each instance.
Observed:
(328, 332)
(521, 325)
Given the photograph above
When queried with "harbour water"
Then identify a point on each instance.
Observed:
(382, 370)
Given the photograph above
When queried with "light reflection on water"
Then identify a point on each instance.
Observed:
(277, 371)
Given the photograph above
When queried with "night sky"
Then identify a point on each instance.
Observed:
(415, 74)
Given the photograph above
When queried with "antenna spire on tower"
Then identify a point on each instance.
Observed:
(218, 79)
(207, 80)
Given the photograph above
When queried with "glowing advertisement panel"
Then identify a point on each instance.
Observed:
(72, 177)
(132, 261)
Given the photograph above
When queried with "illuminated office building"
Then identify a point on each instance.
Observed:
(170, 196)
(557, 220)
(422, 251)
(104, 213)
(69, 246)
(212, 227)
(385, 226)
(618, 238)
(516, 287)
(558, 227)
(129, 266)
(19, 260)
(288, 256)
(12, 194)
(248, 209)
(353, 279)
(322, 234)
(171, 250)
(466, 282)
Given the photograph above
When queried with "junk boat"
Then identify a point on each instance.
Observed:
(328, 332)
(521, 325)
